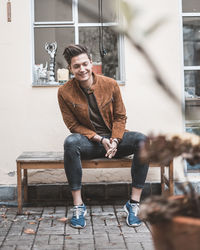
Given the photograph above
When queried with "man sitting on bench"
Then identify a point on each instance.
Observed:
(93, 110)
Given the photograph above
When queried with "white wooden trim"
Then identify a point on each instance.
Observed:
(52, 23)
(191, 14)
(97, 24)
(182, 65)
(32, 41)
(55, 26)
(75, 4)
(191, 67)
(71, 24)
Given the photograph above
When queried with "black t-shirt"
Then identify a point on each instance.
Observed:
(95, 116)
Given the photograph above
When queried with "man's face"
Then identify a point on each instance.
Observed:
(81, 67)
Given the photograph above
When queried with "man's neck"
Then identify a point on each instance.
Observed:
(86, 84)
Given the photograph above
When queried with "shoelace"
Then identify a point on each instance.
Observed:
(135, 209)
(77, 211)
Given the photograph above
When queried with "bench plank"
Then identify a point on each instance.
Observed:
(54, 160)
(52, 157)
(57, 157)
(40, 157)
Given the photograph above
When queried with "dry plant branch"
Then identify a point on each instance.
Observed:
(159, 208)
(164, 148)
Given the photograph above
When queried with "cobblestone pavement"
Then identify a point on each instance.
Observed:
(44, 228)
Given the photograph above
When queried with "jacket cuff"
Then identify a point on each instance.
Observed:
(118, 136)
(90, 135)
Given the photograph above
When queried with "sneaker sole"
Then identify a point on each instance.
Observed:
(130, 225)
(78, 226)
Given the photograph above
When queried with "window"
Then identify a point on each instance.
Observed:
(191, 51)
(88, 22)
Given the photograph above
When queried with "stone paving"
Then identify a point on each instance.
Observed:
(45, 228)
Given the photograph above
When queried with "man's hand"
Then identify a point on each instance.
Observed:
(111, 151)
(110, 145)
(106, 143)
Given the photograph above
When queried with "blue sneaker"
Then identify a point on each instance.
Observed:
(132, 210)
(78, 218)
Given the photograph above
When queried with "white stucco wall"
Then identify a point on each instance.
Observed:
(30, 116)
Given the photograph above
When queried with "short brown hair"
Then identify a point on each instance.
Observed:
(74, 50)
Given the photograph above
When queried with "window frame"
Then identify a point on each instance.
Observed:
(187, 68)
(187, 123)
(76, 25)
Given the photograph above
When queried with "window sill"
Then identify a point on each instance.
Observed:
(48, 84)
(57, 84)
(121, 83)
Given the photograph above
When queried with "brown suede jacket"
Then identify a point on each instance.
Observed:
(74, 106)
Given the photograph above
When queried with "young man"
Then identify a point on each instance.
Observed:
(93, 110)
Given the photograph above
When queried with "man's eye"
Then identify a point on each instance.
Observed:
(85, 64)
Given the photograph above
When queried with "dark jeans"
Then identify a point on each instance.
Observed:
(77, 147)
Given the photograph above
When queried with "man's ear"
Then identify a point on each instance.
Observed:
(69, 68)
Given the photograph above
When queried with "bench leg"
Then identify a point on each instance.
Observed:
(25, 185)
(19, 188)
(171, 178)
(162, 179)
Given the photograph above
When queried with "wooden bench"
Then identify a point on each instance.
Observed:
(54, 160)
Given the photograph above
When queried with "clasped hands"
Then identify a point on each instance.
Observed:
(110, 146)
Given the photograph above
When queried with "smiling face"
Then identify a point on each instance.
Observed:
(81, 68)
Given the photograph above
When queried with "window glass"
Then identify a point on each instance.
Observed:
(192, 102)
(192, 83)
(109, 9)
(191, 37)
(53, 10)
(89, 11)
(195, 129)
(191, 6)
(63, 37)
(89, 36)
(192, 111)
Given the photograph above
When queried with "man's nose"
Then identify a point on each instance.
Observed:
(81, 68)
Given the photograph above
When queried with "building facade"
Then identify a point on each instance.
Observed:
(30, 115)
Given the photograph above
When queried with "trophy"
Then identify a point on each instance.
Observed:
(51, 49)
